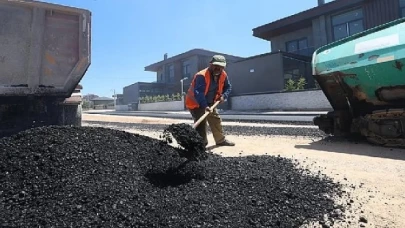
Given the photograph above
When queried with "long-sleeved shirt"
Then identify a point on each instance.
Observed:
(199, 90)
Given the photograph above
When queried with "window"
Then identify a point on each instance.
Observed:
(347, 24)
(159, 77)
(295, 46)
(293, 74)
(170, 73)
(402, 8)
(186, 69)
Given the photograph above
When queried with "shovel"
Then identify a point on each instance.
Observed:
(195, 125)
(187, 137)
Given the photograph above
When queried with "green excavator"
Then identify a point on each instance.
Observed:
(363, 77)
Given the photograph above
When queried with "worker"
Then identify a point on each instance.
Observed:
(208, 86)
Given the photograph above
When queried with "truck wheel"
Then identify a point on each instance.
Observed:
(71, 115)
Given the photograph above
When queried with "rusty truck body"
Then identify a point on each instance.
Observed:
(44, 54)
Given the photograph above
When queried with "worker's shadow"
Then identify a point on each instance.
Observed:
(357, 146)
(209, 148)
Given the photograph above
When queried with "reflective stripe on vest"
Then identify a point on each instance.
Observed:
(191, 102)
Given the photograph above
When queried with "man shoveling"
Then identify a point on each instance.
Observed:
(208, 86)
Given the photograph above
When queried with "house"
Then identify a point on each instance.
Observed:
(119, 99)
(304, 32)
(294, 39)
(171, 73)
(171, 70)
(265, 73)
(132, 93)
(102, 102)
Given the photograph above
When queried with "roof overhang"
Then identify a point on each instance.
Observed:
(155, 67)
(282, 53)
(302, 19)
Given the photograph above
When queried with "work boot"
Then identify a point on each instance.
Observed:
(226, 143)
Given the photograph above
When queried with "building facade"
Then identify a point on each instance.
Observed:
(294, 39)
(119, 99)
(103, 103)
(306, 31)
(170, 71)
(132, 93)
(264, 73)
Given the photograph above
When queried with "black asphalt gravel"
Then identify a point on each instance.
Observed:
(229, 129)
(188, 138)
(97, 177)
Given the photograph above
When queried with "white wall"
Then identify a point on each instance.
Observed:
(121, 108)
(313, 100)
(162, 106)
(291, 101)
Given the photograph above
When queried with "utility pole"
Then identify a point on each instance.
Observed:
(182, 89)
(115, 98)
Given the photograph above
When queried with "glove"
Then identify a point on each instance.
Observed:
(221, 99)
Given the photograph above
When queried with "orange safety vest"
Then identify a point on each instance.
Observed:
(191, 102)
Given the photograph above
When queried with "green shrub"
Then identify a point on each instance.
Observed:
(160, 98)
(292, 85)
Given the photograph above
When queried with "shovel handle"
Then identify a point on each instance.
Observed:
(205, 115)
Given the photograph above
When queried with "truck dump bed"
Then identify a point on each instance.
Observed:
(364, 72)
(44, 48)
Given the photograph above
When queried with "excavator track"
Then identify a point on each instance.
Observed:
(384, 127)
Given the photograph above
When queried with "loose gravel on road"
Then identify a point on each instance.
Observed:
(228, 129)
(91, 176)
(225, 120)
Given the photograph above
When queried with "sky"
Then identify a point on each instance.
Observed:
(128, 35)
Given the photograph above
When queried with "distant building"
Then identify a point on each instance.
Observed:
(170, 71)
(102, 101)
(119, 99)
(295, 38)
(132, 93)
(308, 30)
(264, 73)
(89, 97)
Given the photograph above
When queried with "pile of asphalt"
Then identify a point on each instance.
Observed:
(187, 137)
(97, 177)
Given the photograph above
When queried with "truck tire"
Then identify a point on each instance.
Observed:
(71, 115)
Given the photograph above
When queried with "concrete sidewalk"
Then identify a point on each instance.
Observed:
(271, 113)
(222, 112)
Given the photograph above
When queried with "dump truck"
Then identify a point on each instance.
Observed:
(363, 78)
(44, 54)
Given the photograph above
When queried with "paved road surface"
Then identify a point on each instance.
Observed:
(275, 116)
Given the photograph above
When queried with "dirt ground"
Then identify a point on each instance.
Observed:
(378, 173)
